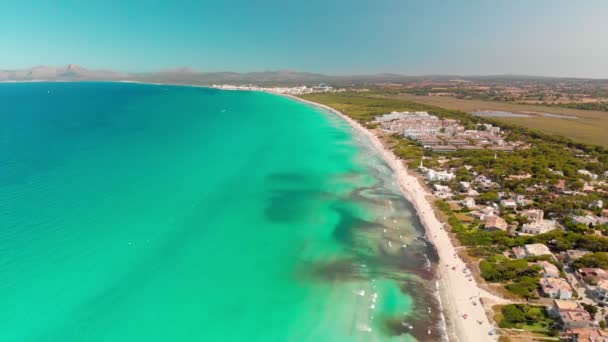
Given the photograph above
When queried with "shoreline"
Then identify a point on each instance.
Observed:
(458, 294)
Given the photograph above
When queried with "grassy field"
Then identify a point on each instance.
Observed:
(592, 131)
(364, 107)
(589, 127)
(361, 107)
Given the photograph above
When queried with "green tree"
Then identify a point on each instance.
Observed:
(490, 196)
(513, 313)
(598, 259)
(590, 308)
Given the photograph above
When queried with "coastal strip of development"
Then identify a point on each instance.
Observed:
(517, 217)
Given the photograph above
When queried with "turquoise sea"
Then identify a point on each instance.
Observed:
(133, 212)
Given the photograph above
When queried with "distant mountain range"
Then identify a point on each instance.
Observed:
(73, 72)
(68, 72)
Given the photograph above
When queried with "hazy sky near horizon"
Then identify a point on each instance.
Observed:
(534, 37)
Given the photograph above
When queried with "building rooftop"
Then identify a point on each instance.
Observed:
(554, 284)
(519, 252)
(493, 221)
(533, 214)
(603, 284)
(537, 249)
(578, 315)
(548, 267)
(593, 272)
(539, 227)
(590, 219)
(443, 148)
(428, 139)
(560, 304)
(574, 254)
(470, 147)
(587, 334)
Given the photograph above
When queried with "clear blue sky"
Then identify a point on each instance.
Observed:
(539, 37)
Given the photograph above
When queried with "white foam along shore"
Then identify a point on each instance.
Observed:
(459, 293)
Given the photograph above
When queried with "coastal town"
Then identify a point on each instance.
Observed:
(300, 90)
(567, 281)
(526, 217)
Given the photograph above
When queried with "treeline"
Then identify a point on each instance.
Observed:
(599, 106)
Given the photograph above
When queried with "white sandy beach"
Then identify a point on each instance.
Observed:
(460, 294)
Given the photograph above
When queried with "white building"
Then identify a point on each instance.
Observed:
(537, 249)
(442, 191)
(589, 174)
(533, 215)
(536, 228)
(556, 288)
(537, 224)
(509, 204)
(590, 219)
(403, 115)
(599, 204)
(522, 201)
(440, 176)
(468, 202)
(472, 193)
(493, 129)
(549, 270)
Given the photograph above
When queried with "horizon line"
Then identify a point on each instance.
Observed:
(191, 70)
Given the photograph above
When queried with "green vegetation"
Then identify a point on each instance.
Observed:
(590, 308)
(524, 287)
(590, 131)
(521, 277)
(490, 196)
(405, 149)
(601, 106)
(500, 269)
(599, 259)
(527, 317)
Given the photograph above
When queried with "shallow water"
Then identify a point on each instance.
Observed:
(137, 212)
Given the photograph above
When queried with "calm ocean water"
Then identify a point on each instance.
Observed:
(153, 213)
